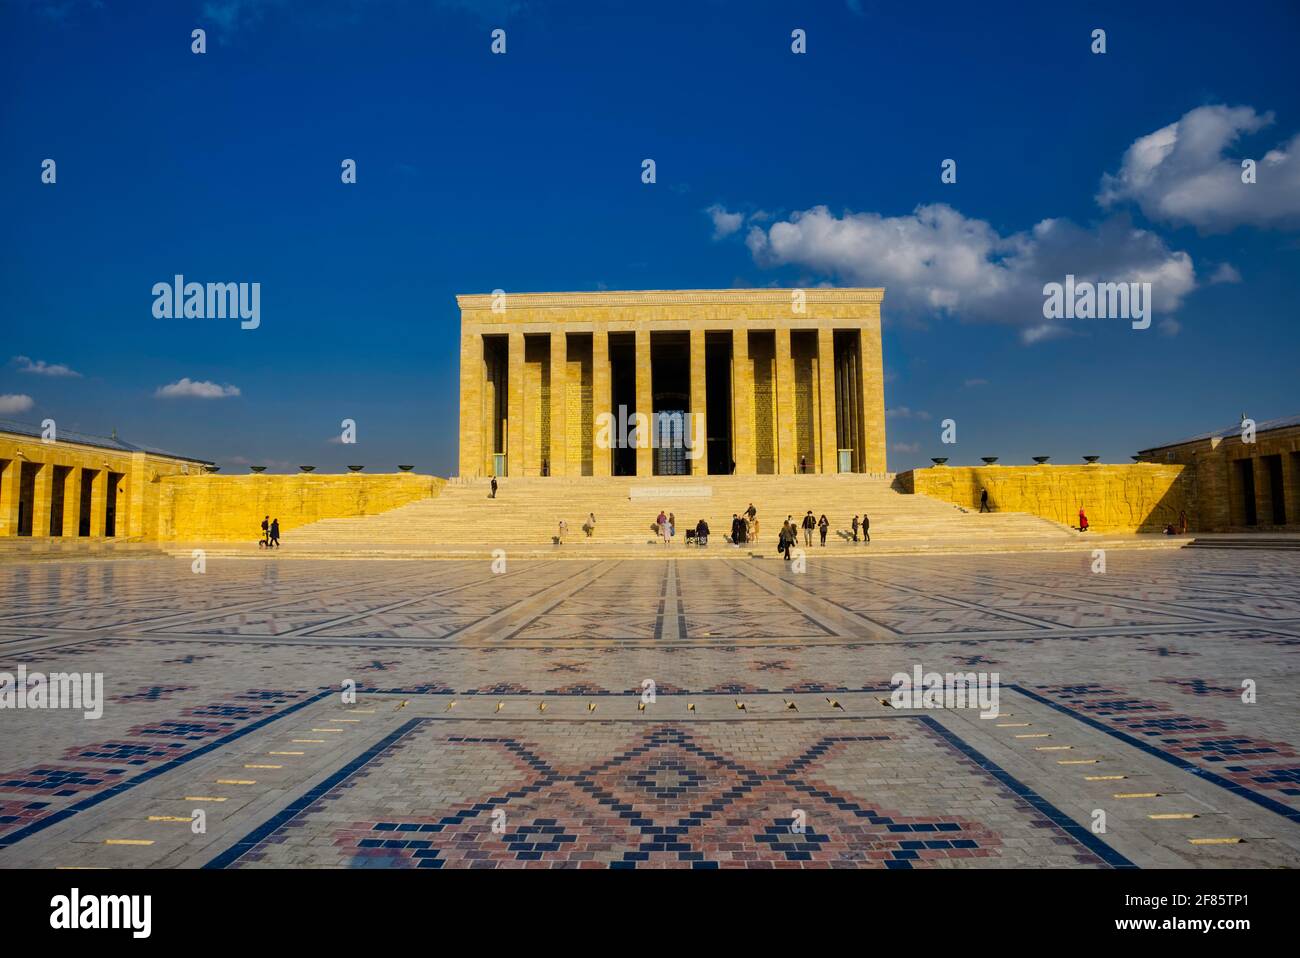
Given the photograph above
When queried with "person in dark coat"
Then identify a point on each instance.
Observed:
(984, 501)
(809, 524)
(266, 532)
(702, 533)
(789, 536)
(737, 530)
(855, 528)
(823, 526)
(494, 488)
(866, 527)
(275, 533)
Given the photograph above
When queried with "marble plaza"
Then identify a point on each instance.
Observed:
(498, 720)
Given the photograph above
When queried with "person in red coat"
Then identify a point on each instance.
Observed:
(1083, 520)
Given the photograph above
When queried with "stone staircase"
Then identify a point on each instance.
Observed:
(528, 511)
(1276, 542)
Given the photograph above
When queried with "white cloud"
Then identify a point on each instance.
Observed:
(41, 368)
(15, 402)
(1225, 273)
(724, 222)
(186, 387)
(1042, 332)
(905, 412)
(936, 260)
(1180, 175)
(906, 447)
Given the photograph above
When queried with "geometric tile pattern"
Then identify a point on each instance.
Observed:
(478, 692)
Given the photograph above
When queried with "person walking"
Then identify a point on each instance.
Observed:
(984, 501)
(275, 533)
(751, 523)
(266, 533)
(1083, 520)
(701, 533)
(737, 530)
(1182, 522)
(661, 522)
(866, 527)
(809, 524)
(672, 528)
(855, 528)
(564, 530)
(590, 526)
(784, 540)
(823, 526)
(493, 494)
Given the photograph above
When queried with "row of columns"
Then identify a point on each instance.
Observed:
(477, 441)
(43, 499)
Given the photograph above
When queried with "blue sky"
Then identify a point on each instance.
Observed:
(523, 172)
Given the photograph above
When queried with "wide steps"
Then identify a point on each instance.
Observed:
(529, 510)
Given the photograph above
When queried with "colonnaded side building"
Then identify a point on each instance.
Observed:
(780, 381)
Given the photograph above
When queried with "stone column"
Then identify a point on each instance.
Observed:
(872, 384)
(644, 404)
(699, 407)
(559, 454)
(122, 520)
(471, 405)
(9, 488)
(787, 459)
(742, 404)
(99, 503)
(515, 406)
(72, 503)
(1291, 486)
(42, 501)
(137, 490)
(601, 402)
(826, 399)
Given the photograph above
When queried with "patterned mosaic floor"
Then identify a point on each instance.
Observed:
(497, 722)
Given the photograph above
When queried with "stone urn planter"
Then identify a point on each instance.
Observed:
(1041, 460)
(939, 461)
(355, 468)
(307, 468)
(989, 460)
(1091, 460)
(258, 468)
(211, 469)
(406, 468)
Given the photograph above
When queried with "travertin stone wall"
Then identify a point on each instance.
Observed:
(1137, 497)
(63, 489)
(1240, 484)
(210, 508)
(784, 402)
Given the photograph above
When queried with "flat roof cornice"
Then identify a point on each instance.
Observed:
(672, 297)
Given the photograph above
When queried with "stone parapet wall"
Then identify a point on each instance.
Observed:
(210, 508)
(1137, 497)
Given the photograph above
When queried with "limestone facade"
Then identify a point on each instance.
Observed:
(81, 486)
(1244, 481)
(783, 381)
(1131, 497)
